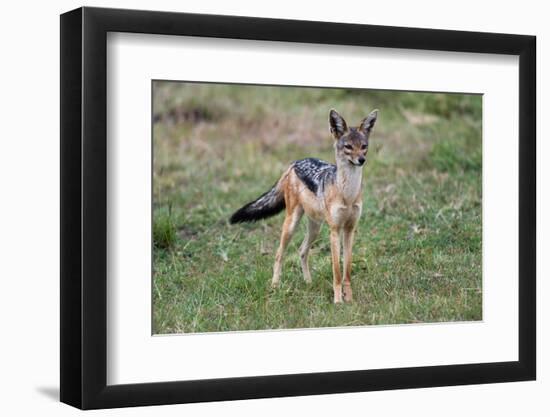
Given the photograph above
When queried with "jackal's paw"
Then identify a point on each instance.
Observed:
(274, 284)
(348, 294)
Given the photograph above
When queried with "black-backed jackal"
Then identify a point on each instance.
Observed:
(324, 192)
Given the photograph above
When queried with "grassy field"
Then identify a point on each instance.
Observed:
(417, 255)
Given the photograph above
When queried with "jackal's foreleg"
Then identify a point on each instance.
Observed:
(348, 234)
(313, 228)
(289, 226)
(336, 275)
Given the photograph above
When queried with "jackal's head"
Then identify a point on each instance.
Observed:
(351, 144)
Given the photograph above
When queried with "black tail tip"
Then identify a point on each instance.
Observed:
(235, 218)
(252, 212)
(240, 216)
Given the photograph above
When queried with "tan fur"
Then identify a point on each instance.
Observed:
(339, 205)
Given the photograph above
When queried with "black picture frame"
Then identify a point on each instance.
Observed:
(84, 207)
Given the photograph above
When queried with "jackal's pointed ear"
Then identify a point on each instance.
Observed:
(368, 122)
(337, 124)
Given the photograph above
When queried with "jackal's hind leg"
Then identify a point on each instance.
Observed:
(312, 232)
(289, 226)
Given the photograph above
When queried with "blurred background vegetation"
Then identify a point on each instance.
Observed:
(417, 256)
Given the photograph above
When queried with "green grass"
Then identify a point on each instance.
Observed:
(417, 255)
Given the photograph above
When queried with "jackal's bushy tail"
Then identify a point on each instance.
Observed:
(267, 205)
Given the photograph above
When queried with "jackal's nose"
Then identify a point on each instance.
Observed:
(361, 160)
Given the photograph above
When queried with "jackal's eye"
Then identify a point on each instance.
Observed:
(363, 147)
(347, 146)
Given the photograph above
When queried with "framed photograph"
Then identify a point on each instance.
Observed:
(258, 208)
